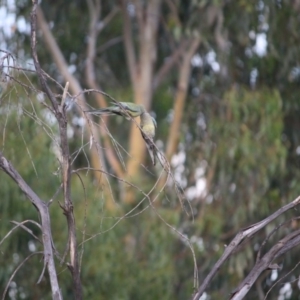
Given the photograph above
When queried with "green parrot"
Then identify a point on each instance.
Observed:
(124, 109)
(148, 125)
(131, 110)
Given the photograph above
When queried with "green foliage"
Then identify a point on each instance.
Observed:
(27, 146)
(249, 148)
(131, 256)
(244, 149)
(243, 156)
(243, 135)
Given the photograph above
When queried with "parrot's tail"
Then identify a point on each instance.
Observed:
(151, 150)
(103, 111)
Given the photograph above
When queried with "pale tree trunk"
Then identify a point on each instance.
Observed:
(141, 73)
(179, 103)
(180, 98)
(59, 112)
(94, 30)
(96, 152)
(74, 84)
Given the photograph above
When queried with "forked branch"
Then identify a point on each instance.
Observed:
(42, 208)
(60, 115)
(292, 240)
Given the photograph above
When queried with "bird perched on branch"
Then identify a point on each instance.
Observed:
(148, 125)
(131, 110)
(124, 109)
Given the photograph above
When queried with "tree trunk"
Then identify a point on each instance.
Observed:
(141, 74)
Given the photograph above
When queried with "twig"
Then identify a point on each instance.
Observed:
(243, 234)
(15, 271)
(22, 226)
(42, 207)
(64, 96)
(66, 168)
(285, 244)
(279, 280)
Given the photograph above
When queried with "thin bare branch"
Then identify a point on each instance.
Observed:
(84, 220)
(65, 162)
(64, 96)
(97, 155)
(280, 279)
(285, 244)
(42, 207)
(22, 226)
(169, 64)
(258, 256)
(110, 43)
(108, 18)
(242, 235)
(15, 272)
(128, 41)
(38, 68)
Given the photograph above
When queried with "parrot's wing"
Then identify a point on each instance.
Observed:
(154, 122)
(131, 106)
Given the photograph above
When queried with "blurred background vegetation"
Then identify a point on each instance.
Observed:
(236, 154)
